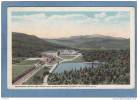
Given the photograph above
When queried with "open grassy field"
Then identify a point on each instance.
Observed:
(37, 79)
(79, 59)
(20, 68)
(27, 62)
(67, 57)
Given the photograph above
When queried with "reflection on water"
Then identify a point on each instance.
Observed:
(68, 66)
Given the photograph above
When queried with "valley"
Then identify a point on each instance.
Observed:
(64, 61)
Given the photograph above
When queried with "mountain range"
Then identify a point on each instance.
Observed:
(93, 42)
(24, 45)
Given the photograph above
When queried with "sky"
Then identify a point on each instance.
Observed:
(60, 24)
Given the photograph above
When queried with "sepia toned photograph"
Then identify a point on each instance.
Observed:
(71, 47)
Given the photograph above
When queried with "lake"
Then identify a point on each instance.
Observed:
(68, 66)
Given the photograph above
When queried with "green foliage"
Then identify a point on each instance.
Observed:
(67, 56)
(116, 70)
(78, 59)
(37, 79)
(28, 62)
(24, 45)
(17, 60)
(93, 42)
(17, 70)
(105, 55)
(20, 67)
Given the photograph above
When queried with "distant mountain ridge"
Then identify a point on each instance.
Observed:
(93, 42)
(92, 36)
(24, 45)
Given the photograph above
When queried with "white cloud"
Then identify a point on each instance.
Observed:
(56, 26)
(100, 15)
(118, 16)
(121, 15)
(33, 17)
(68, 17)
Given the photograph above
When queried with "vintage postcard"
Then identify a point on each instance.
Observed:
(71, 47)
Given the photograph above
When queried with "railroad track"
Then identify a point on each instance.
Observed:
(27, 76)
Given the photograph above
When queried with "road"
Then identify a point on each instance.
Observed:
(33, 72)
(55, 65)
(45, 80)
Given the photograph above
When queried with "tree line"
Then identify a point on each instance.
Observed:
(116, 69)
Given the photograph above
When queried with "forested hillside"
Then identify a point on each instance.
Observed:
(24, 45)
(93, 42)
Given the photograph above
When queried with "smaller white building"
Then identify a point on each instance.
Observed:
(34, 59)
(68, 52)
